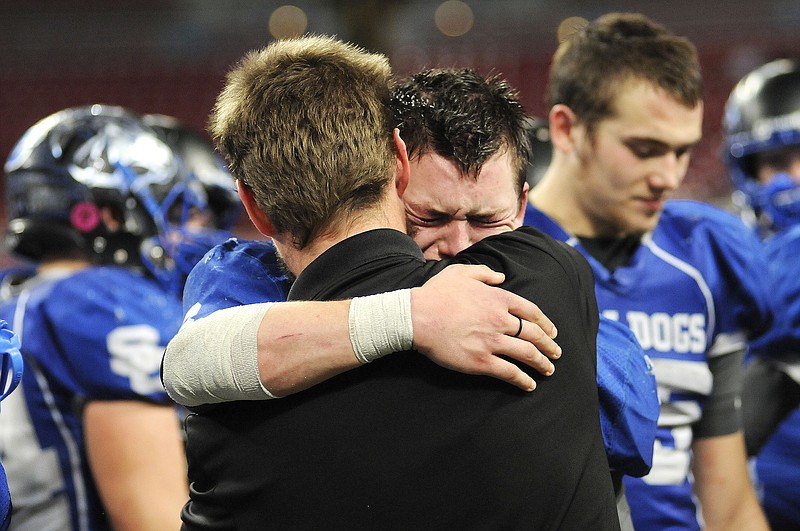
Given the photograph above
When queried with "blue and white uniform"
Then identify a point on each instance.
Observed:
(777, 463)
(776, 477)
(11, 369)
(693, 292)
(235, 273)
(96, 334)
(246, 272)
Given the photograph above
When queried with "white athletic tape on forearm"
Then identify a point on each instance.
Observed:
(215, 359)
(381, 324)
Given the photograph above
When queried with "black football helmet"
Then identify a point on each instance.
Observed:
(222, 209)
(205, 164)
(93, 180)
(763, 114)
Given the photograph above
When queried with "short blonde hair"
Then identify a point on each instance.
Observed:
(305, 123)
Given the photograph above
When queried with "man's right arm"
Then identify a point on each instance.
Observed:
(252, 352)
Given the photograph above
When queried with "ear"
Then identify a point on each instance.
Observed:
(256, 215)
(523, 202)
(562, 122)
(402, 166)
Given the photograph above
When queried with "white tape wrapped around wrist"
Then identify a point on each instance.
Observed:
(381, 324)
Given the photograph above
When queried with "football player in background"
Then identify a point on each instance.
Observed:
(201, 163)
(11, 368)
(93, 442)
(626, 108)
(762, 153)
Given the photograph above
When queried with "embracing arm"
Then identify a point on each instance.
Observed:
(137, 459)
(463, 323)
(459, 321)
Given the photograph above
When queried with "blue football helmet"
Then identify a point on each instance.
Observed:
(761, 115)
(95, 182)
(201, 159)
(203, 164)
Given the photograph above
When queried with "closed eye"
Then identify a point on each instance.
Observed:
(648, 149)
(486, 222)
(425, 221)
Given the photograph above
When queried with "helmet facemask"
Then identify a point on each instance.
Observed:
(762, 116)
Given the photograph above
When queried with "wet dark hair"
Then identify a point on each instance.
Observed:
(463, 117)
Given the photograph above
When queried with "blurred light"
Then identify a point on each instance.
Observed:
(569, 27)
(287, 21)
(454, 18)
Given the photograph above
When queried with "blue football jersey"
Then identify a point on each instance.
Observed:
(777, 465)
(11, 369)
(96, 334)
(782, 341)
(234, 273)
(12, 277)
(694, 289)
(5, 501)
(629, 404)
(245, 272)
(777, 477)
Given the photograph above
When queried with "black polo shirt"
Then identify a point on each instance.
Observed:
(404, 444)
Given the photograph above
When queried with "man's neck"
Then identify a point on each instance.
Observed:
(65, 264)
(379, 217)
(557, 196)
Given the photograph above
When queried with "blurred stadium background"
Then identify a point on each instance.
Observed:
(170, 56)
